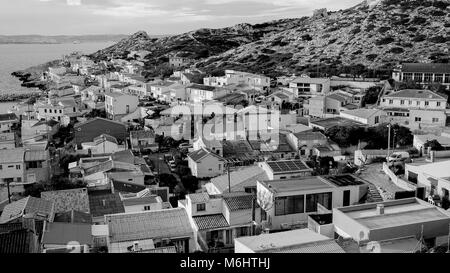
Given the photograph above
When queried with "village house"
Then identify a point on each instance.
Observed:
(7, 122)
(204, 163)
(158, 231)
(142, 202)
(304, 142)
(61, 110)
(63, 235)
(118, 105)
(103, 144)
(7, 141)
(286, 204)
(92, 128)
(37, 130)
(433, 176)
(370, 117)
(28, 208)
(219, 219)
(305, 86)
(240, 180)
(231, 77)
(104, 202)
(20, 166)
(416, 109)
(198, 93)
(143, 140)
(423, 73)
(18, 238)
(392, 224)
(419, 141)
(212, 145)
(177, 62)
(326, 106)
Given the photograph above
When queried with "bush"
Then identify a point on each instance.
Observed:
(383, 29)
(371, 57)
(438, 39)
(397, 50)
(307, 37)
(419, 38)
(418, 21)
(356, 30)
(385, 41)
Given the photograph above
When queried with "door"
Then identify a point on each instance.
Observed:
(346, 201)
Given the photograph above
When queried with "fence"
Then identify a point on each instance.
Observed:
(398, 181)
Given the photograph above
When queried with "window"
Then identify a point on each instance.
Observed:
(428, 77)
(418, 77)
(289, 205)
(410, 102)
(438, 77)
(402, 102)
(391, 101)
(418, 119)
(435, 120)
(1, 167)
(201, 207)
(60, 111)
(45, 110)
(325, 199)
(377, 119)
(10, 166)
(19, 179)
(407, 76)
(17, 167)
(417, 103)
(147, 208)
(50, 111)
(447, 78)
(427, 103)
(438, 103)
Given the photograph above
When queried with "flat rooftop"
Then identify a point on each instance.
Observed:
(331, 122)
(296, 184)
(396, 213)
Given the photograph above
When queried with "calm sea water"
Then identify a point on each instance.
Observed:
(15, 57)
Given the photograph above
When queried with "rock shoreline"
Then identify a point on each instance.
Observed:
(31, 77)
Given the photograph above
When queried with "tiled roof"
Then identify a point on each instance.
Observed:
(28, 205)
(63, 233)
(166, 223)
(73, 216)
(415, 94)
(199, 197)
(210, 221)
(239, 202)
(140, 201)
(239, 179)
(101, 167)
(7, 117)
(97, 119)
(36, 155)
(16, 242)
(200, 154)
(67, 200)
(5, 228)
(112, 205)
(338, 97)
(310, 135)
(426, 68)
(202, 87)
(311, 80)
(98, 140)
(328, 246)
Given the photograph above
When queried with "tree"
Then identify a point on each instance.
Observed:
(168, 180)
(434, 145)
(371, 96)
(190, 183)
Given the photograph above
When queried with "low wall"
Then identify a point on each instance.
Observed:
(398, 181)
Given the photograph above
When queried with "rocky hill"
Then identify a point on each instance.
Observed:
(372, 35)
(197, 44)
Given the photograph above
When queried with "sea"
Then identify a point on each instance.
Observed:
(15, 57)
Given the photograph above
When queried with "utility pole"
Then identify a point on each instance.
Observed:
(389, 140)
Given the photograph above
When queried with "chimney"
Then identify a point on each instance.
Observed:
(380, 209)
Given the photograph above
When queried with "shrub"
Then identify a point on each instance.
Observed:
(418, 21)
(356, 30)
(385, 41)
(307, 37)
(371, 57)
(438, 39)
(397, 50)
(332, 41)
(383, 29)
(370, 27)
(419, 38)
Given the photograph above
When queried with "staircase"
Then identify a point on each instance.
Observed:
(373, 195)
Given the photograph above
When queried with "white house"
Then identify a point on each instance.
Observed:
(118, 105)
(204, 163)
(7, 122)
(103, 144)
(414, 108)
(371, 117)
(306, 86)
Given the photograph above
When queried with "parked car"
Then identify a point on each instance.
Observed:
(398, 157)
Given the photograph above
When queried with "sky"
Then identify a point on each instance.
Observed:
(82, 17)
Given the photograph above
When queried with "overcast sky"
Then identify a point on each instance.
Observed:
(73, 17)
